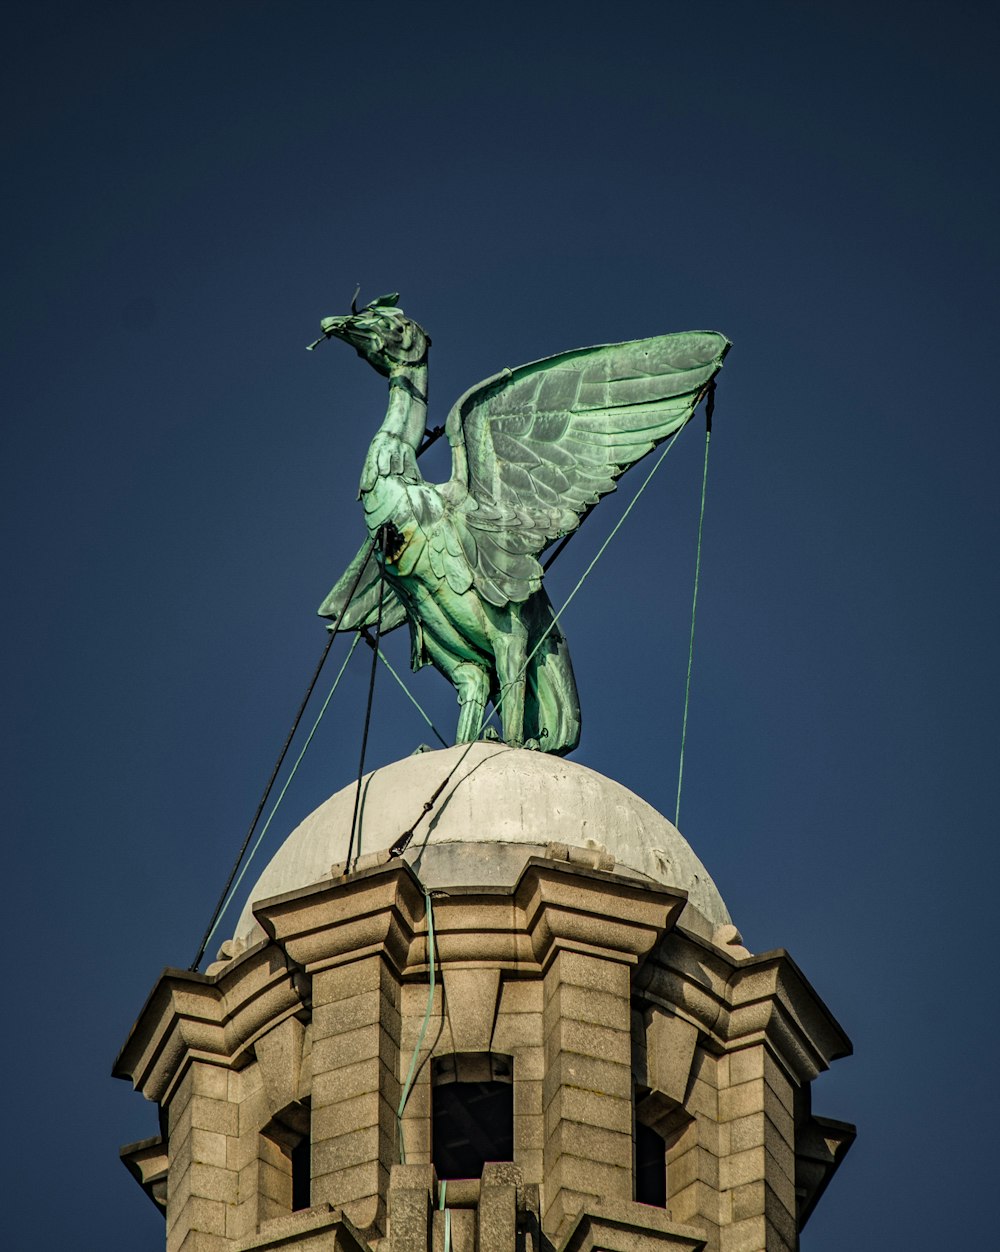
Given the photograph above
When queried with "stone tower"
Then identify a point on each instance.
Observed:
(536, 1029)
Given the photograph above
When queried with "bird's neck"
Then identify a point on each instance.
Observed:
(406, 416)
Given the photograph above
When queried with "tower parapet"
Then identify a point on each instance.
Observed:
(538, 1029)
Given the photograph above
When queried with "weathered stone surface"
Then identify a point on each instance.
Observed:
(628, 1227)
(574, 985)
(317, 1229)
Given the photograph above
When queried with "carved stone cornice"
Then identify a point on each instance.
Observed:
(213, 1018)
(347, 918)
(739, 1001)
(564, 906)
(629, 1227)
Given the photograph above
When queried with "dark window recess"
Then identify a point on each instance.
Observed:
(650, 1167)
(300, 1175)
(473, 1123)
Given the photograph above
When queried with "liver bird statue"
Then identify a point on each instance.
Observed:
(533, 450)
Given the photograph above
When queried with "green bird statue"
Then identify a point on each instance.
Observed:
(533, 450)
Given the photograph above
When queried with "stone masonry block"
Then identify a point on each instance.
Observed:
(532, 1164)
(463, 1231)
(340, 1016)
(347, 1115)
(409, 1220)
(418, 1102)
(204, 1147)
(565, 1205)
(756, 1199)
(779, 1083)
(471, 1006)
(753, 1234)
(607, 1043)
(344, 981)
(242, 1219)
(580, 969)
(337, 1085)
(521, 995)
(529, 1064)
(356, 1182)
(696, 1165)
(275, 1184)
(590, 1108)
(199, 1241)
(709, 1068)
(336, 1051)
(610, 1147)
(213, 1184)
(751, 1097)
(756, 1165)
(703, 1100)
(589, 1004)
(670, 1049)
(527, 1096)
(514, 1031)
(597, 1179)
(745, 1065)
(590, 1074)
(497, 1217)
(198, 1214)
(344, 1151)
(529, 1132)
(201, 1078)
(685, 1203)
(279, 1060)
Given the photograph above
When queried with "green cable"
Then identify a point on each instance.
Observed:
(583, 578)
(443, 1208)
(413, 699)
(281, 794)
(694, 606)
(411, 1073)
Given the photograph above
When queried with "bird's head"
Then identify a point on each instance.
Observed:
(381, 333)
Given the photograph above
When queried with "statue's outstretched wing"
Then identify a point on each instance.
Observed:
(363, 610)
(534, 448)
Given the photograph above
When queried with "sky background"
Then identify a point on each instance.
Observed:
(191, 187)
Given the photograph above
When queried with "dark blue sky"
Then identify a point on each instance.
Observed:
(190, 187)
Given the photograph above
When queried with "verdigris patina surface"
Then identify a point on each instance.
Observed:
(533, 450)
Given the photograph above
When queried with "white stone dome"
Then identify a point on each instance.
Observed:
(495, 807)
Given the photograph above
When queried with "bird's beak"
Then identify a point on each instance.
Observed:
(334, 326)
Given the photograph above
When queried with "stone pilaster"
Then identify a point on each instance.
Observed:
(355, 1088)
(202, 1188)
(587, 1090)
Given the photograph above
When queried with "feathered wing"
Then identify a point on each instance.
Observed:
(363, 610)
(534, 448)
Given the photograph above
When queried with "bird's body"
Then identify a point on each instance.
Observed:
(460, 559)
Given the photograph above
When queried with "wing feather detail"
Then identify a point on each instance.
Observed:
(363, 608)
(534, 448)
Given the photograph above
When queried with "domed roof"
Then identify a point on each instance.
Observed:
(493, 807)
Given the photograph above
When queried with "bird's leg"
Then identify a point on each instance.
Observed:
(510, 647)
(473, 686)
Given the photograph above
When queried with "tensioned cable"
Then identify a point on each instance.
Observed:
(430, 438)
(383, 535)
(260, 807)
(281, 794)
(583, 577)
(406, 691)
(709, 410)
(412, 1071)
(404, 839)
(210, 931)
